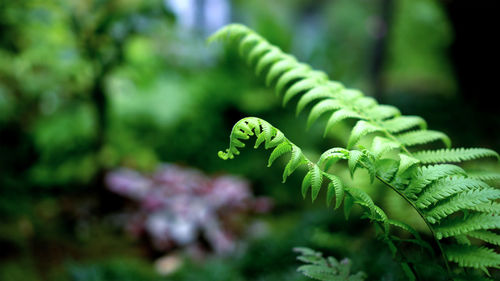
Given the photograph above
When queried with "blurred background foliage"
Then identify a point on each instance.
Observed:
(90, 86)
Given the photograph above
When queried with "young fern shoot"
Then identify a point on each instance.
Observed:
(455, 205)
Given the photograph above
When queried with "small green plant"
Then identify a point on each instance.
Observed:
(459, 208)
(325, 269)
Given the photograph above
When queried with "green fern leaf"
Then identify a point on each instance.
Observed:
(458, 226)
(484, 175)
(423, 137)
(361, 129)
(269, 58)
(354, 160)
(454, 155)
(382, 145)
(322, 107)
(386, 169)
(485, 235)
(249, 41)
(325, 91)
(446, 187)
(301, 71)
(473, 256)
(403, 123)
(365, 103)
(317, 272)
(382, 112)
(491, 208)
(405, 163)
(316, 181)
(331, 156)
(340, 115)
(427, 174)
(299, 87)
(281, 149)
(335, 188)
(296, 160)
(306, 183)
(277, 69)
(230, 32)
(461, 201)
(362, 198)
(258, 51)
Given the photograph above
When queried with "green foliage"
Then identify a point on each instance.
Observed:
(451, 203)
(325, 269)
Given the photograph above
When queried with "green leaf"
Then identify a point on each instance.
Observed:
(316, 181)
(281, 149)
(361, 129)
(423, 137)
(296, 160)
(321, 108)
(454, 155)
(257, 51)
(299, 72)
(301, 86)
(269, 58)
(381, 145)
(354, 160)
(335, 187)
(446, 187)
(405, 163)
(458, 226)
(402, 123)
(338, 116)
(473, 256)
(306, 183)
(279, 68)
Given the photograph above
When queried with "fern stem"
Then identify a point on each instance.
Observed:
(443, 254)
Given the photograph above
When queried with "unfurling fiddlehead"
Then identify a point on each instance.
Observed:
(455, 205)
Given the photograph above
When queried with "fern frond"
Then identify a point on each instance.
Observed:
(321, 108)
(454, 155)
(296, 160)
(446, 187)
(427, 174)
(300, 71)
(354, 160)
(335, 188)
(331, 156)
(381, 145)
(485, 235)
(316, 181)
(406, 163)
(281, 149)
(268, 59)
(462, 201)
(457, 226)
(325, 269)
(422, 137)
(452, 202)
(361, 129)
(313, 94)
(484, 175)
(340, 115)
(284, 65)
(490, 207)
(403, 123)
(473, 256)
(362, 198)
(382, 112)
(303, 85)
